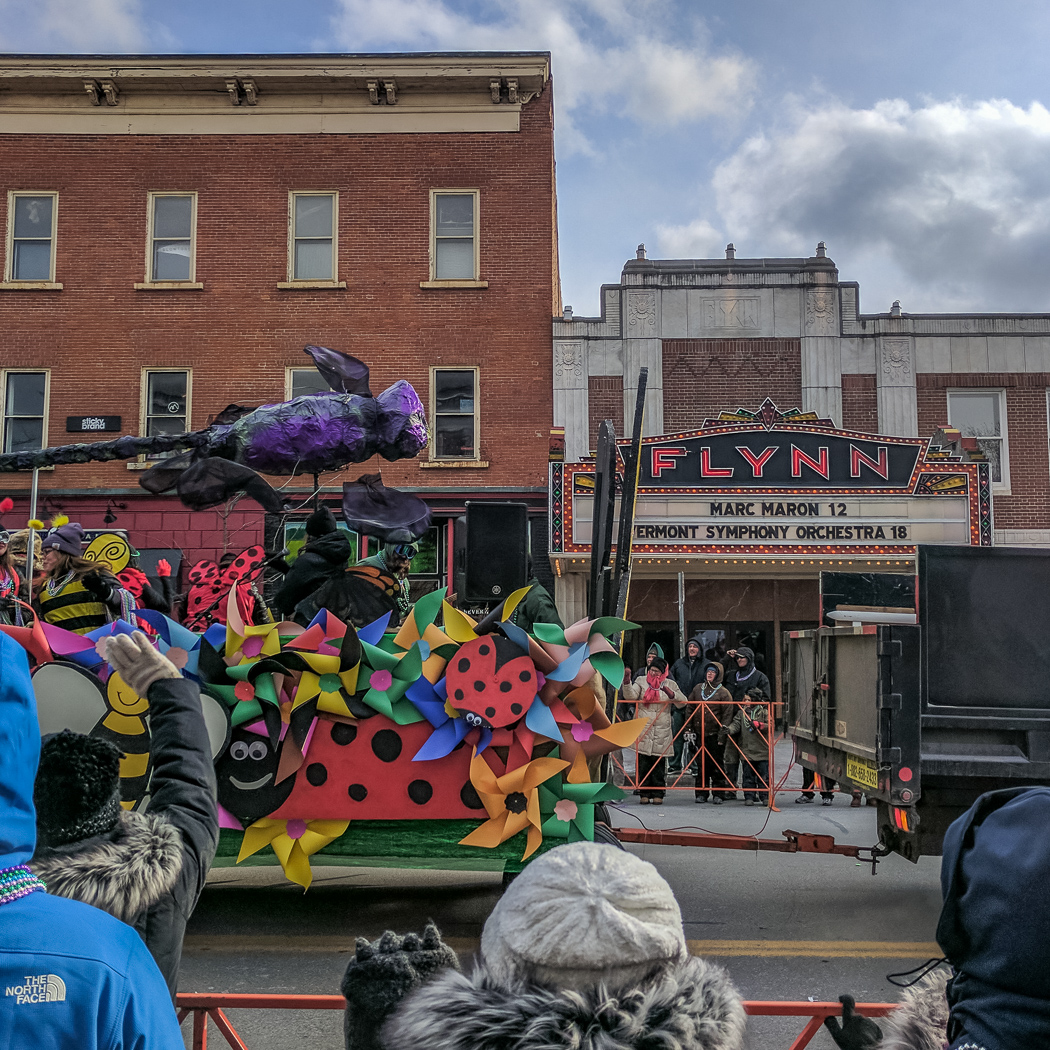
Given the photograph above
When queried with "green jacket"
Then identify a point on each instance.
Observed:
(536, 607)
(752, 742)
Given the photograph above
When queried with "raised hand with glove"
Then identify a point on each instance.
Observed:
(133, 657)
(854, 1032)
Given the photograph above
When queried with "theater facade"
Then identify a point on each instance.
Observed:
(785, 434)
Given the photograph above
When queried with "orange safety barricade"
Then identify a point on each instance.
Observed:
(215, 1005)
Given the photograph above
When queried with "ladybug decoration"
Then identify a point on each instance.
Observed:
(491, 682)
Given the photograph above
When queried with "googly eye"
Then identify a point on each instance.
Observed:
(239, 750)
(257, 750)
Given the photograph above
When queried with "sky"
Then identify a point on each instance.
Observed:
(912, 137)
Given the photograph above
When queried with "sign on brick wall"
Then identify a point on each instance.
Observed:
(92, 424)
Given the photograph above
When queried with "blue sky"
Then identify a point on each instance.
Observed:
(914, 138)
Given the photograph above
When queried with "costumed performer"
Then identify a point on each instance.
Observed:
(396, 559)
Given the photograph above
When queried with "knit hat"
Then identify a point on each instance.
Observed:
(320, 523)
(77, 791)
(68, 538)
(581, 915)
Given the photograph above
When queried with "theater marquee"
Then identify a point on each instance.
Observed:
(787, 484)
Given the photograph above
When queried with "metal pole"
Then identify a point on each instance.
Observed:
(31, 541)
(681, 613)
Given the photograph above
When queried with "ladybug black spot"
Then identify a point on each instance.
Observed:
(516, 802)
(343, 734)
(479, 687)
(490, 712)
(524, 676)
(505, 687)
(484, 650)
(464, 665)
(459, 694)
(515, 709)
(420, 792)
(469, 797)
(358, 792)
(386, 745)
(316, 774)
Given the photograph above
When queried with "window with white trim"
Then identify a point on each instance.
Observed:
(982, 414)
(171, 244)
(301, 381)
(25, 399)
(165, 403)
(454, 235)
(313, 220)
(454, 413)
(31, 236)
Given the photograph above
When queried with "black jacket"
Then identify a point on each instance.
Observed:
(536, 607)
(150, 869)
(690, 673)
(755, 678)
(318, 562)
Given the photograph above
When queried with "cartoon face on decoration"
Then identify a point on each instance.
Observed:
(491, 682)
(247, 774)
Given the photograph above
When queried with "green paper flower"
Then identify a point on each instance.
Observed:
(567, 810)
(388, 677)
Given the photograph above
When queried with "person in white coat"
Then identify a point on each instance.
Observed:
(655, 695)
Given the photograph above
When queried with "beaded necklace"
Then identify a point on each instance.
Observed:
(55, 586)
(17, 882)
(705, 695)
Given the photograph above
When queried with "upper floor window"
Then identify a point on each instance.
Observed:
(24, 410)
(454, 235)
(982, 414)
(313, 236)
(165, 403)
(453, 395)
(301, 381)
(31, 236)
(171, 249)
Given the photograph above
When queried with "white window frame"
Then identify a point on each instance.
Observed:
(191, 281)
(313, 282)
(434, 457)
(9, 257)
(144, 405)
(448, 281)
(4, 373)
(289, 371)
(1002, 487)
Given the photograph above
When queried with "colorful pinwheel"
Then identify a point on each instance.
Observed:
(568, 809)
(388, 676)
(511, 802)
(294, 842)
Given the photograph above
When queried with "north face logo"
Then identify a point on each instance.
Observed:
(45, 988)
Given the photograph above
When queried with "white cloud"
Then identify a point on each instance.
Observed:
(629, 57)
(77, 26)
(944, 206)
(695, 240)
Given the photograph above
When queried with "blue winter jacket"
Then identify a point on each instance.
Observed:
(71, 976)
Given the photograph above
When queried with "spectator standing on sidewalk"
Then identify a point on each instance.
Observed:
(738, 681)
(827, 788)
(688, 672)
(654, 697)
(714, 711)
(750, 731)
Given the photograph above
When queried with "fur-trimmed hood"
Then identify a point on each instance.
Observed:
(123, 872)
(691, 1005)
(920, 1022)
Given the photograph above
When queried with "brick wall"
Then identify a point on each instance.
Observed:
(860, 404)
(604, 401)
(1028, 505)
(704, 376)
(240, 332)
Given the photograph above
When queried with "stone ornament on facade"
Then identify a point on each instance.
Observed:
(641, 310)
(736, 313)
(896, 360)
(820, 312)
(568, 360)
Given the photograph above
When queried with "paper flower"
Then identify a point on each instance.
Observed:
(568, 809)
(294, 842)
(388, 676)
(255, 687)
(511, 802)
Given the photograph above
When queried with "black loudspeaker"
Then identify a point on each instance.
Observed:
(491, 547)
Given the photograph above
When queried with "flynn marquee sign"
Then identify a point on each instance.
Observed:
(766, 482)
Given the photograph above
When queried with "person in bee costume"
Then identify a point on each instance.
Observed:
(146, 867)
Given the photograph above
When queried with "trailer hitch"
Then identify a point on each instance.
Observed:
(794, 842)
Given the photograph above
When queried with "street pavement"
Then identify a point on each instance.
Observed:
(786, 926)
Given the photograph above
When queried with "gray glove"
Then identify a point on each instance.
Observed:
(382, 973)
(133, 657)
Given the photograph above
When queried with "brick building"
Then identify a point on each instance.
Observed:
(718, 335)
(178, 228)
